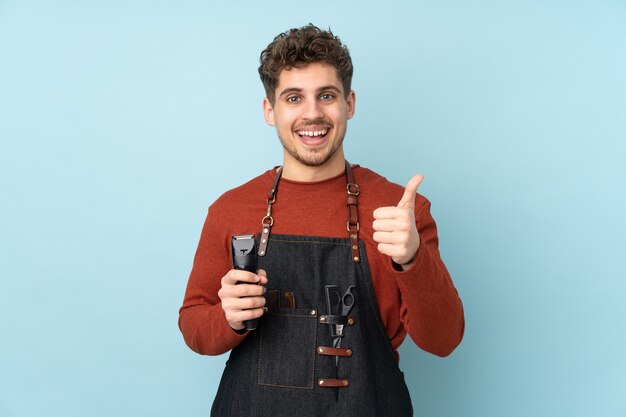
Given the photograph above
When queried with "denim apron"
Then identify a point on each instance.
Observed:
(290, 366)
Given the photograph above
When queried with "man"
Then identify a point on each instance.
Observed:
(339, 287)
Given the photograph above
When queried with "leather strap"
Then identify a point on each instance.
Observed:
(331, 351)
(334, 319)
(268, 220)
(333, 383)
(353, 215)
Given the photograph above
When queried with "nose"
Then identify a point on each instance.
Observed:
(312, 110)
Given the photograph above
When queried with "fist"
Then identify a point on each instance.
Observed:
(242, 296)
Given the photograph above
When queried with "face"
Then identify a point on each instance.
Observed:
(310, 113)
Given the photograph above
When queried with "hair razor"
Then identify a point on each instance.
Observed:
(245, 258)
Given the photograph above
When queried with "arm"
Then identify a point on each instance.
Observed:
(431, 309)
(213, 303)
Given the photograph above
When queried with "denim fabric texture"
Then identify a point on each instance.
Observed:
(274, 372)
(287, 348)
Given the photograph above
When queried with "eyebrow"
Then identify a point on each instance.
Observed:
(299, 90)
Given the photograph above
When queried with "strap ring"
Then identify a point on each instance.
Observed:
(350, 192)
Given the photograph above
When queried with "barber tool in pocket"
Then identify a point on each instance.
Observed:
(245, 258)
(339, 305)
(278, 299)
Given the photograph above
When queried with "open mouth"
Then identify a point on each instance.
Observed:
(313, 137)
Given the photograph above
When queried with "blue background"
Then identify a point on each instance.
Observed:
(119, 125)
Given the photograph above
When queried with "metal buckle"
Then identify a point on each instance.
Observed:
(348, 226)
(357, 192)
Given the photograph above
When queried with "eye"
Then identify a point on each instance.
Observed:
(293, 99)
(327, 96)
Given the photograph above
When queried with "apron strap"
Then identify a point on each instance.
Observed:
(268, 221)
(353, 216)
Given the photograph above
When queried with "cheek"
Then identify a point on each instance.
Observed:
(283, 124)
(284, 118)
(339, 113)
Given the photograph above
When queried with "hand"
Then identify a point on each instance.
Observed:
(394, 227)
(243, 301)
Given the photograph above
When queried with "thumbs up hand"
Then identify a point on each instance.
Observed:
(394, 227)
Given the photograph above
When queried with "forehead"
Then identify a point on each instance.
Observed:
(309, 77)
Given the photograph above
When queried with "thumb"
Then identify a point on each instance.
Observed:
(408, 198)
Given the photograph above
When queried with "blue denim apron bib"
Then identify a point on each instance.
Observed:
(290, 366)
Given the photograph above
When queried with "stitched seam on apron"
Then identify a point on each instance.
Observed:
(289, 315)
(313, 241)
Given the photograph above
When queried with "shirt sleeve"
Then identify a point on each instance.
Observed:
(431, 309)
(201, 318)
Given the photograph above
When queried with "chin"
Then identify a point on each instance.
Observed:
(311, 157)
(315, 159)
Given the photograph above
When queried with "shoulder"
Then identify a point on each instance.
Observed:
(251, 193)
(379, 190)
(237, 211)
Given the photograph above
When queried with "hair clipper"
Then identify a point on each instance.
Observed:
(245, 258)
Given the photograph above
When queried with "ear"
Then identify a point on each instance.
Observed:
(351, 104)
(268, 112)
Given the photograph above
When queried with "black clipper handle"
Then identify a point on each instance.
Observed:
(245, 258)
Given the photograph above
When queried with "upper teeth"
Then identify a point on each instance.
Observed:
(313, 133)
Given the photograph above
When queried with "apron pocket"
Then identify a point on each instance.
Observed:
(287, 348)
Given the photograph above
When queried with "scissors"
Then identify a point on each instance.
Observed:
(346, 302)
(343, 306)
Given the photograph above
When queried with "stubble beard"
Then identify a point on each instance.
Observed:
(316, 160)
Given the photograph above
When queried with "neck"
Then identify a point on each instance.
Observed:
(296, 171)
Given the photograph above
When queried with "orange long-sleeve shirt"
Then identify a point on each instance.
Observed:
(421, 300)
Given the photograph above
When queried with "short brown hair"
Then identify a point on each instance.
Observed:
(299, 47)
